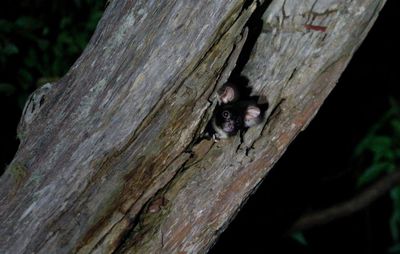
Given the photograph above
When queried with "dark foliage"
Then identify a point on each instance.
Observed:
(39, 41)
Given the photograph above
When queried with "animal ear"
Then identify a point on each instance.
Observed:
(227, 93)
(252, 112)
(252, 116)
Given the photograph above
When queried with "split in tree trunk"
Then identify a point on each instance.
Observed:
(111, 158)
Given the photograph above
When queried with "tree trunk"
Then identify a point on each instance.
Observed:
(110, 158)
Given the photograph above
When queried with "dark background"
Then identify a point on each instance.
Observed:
(40, 39)
(320, 169)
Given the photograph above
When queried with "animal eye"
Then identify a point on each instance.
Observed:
(226, 114)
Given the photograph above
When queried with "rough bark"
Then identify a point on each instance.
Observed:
(110, 159)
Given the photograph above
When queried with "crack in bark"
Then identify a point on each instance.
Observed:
(113, 156)
(229, 65)
(182, 158)
(154, 111)
(139, 217)
(136, 219)
(275, 112)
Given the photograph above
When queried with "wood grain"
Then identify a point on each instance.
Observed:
(110, 154)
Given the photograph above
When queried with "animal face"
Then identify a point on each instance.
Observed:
(229, 119)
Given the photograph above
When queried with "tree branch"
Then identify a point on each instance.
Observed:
(348, 207)
(110, 158)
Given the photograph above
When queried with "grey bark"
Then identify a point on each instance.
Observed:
(108, 160)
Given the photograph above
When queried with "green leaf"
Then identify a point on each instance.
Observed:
(93, 20)
(10, 49)
(395, 249)
(395, 195)
(31, 60)
(299, 237)
(373, 172)
(381, 147)
(395, 219)
(65, 22)
(24, 78)
(6, 89)
(45, 31)
(395, 123)
(394, 226)
(43, 44)
(372, 141)
(6, 26)
(28, 23)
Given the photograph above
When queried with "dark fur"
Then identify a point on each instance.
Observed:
(233, 114)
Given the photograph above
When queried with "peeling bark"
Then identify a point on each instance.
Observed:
(110, 158)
